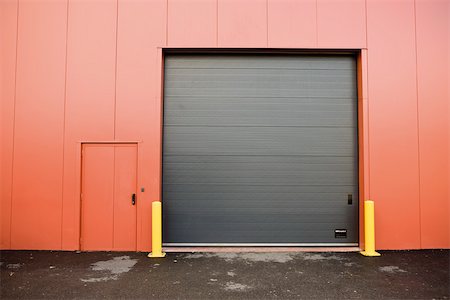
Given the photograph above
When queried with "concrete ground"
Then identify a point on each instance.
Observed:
(394, 275)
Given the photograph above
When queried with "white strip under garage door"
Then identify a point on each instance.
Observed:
(260, 150)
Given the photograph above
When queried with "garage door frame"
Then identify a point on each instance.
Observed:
(362, 115)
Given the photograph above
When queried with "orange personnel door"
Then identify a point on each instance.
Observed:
(108, 197)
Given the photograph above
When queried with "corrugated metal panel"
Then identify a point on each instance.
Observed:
(259, 149)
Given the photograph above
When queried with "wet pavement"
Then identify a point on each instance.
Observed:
(394, 275)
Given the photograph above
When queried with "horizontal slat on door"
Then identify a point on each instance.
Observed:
(284, 62)
(262, 111)
(313, 141)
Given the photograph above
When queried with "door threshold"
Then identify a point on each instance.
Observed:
(260, 249)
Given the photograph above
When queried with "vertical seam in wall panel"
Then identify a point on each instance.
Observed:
(217, 23)
(167, 22)
(365, 19)
(417, 116)
(80, 223)
(137, 195)
(114, 193)
(367, 103)
(64, 124)
(115, 110)
(317, 25)
(267, 23)
(368, 128)
(115, 70)
(14, 128)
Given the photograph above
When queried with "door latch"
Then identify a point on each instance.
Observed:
(133, 199)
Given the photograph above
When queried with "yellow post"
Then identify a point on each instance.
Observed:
(369, 229)
(156, 230)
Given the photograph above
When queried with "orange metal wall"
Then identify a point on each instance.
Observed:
(74, 71)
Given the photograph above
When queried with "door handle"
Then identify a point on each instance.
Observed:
(133, 199)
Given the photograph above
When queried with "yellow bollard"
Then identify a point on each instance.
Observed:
(369, 229)
(156, 230)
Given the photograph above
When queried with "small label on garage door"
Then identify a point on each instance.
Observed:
(340, 233)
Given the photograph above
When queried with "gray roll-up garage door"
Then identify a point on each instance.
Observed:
(260, 149)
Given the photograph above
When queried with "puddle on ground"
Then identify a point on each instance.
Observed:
(318, 256)
(13, 266)
(391, 269)
(115, 267)
(246, 256)
(236, 287)
(278, 257)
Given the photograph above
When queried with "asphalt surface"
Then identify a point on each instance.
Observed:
(394, 275)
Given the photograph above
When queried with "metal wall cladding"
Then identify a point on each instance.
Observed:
(260, 149)
(76, 71)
